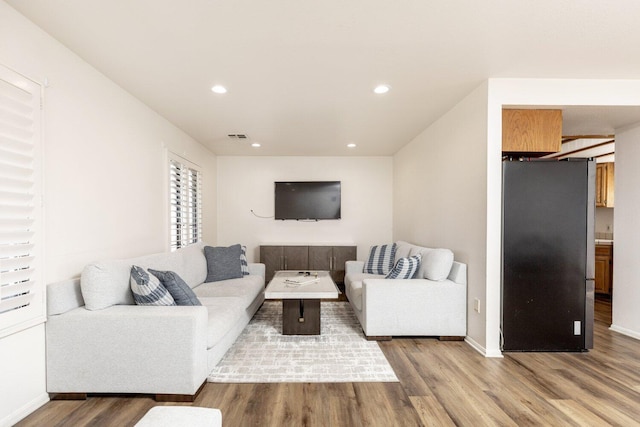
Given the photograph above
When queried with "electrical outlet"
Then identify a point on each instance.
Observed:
(476, 305)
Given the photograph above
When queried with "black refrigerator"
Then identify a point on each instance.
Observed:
(548, 225)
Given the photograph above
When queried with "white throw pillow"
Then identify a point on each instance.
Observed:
(436, 263)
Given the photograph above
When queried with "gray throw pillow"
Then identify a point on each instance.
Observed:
(223, 262)
(178, 288)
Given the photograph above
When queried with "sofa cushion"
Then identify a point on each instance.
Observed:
(436, 263)
(381, 259)
(403, 250)
(147, 289)
(353, 286)
(179, 290)
(245, 289)
(405, 268)
(355, 294)
(223, 313)
(106, 283)
(223, 262)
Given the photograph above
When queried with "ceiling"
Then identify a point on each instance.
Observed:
(300, 73)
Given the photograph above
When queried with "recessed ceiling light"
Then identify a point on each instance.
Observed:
(382, 89)
(219, 89)
(351, 145)
(255, 145)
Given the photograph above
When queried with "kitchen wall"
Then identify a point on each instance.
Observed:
(105, 188)
(626, 268)
(440, 187)
(604, 223)
(246, 184)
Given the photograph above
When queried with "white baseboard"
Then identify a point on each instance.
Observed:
(625, 331)
(480, 349)
(24, 411)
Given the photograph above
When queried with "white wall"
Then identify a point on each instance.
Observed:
(553, 93)
(105, 181)
(440, 186)
(246, 183)
(626, 251)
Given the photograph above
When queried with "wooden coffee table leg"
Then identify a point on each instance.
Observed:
(300, 317)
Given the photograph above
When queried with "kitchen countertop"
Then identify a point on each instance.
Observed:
(604, 242)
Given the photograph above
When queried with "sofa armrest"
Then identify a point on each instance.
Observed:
(414, 307)
(257, 269)
(63, 296)
(127, 349)
(353, 267)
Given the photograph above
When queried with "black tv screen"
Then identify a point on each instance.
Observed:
(312, 200)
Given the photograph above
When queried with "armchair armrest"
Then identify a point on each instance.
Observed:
(352, 267)
(257, 269)
(414, 307)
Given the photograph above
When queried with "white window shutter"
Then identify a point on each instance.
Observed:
(21, 277)
(185, 204)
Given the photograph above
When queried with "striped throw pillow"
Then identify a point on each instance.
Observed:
(380, 259)
(147, 289)
(244, 265)
(405, 268)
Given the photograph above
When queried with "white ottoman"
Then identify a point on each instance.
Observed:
(178, 416)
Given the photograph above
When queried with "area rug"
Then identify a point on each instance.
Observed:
(339, 354)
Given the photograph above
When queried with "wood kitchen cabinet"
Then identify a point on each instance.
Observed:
(328, 258)
(605, 185)
(332, 259)
(604, 269)
(531, 132)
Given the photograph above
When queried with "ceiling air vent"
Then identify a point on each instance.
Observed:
(238, 136)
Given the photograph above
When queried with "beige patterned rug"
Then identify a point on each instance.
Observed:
(339, 354)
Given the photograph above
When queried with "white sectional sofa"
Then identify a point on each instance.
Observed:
(434, 303)
(99, 341)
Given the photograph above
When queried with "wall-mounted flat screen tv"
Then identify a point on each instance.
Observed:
(307, 200)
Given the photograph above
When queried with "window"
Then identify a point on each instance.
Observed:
(21, 279)
(185, 203)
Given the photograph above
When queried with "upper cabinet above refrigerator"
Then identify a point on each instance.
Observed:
(531, 133)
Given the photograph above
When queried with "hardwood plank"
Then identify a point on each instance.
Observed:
(343, 405)
(405, 370)
(384, 404)
(578, 414)
(441, 383)
(431, 411)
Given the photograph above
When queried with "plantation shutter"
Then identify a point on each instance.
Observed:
(21, 286)
(185, 204)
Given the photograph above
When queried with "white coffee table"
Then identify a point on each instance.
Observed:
(301, 292)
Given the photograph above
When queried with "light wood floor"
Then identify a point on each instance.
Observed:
(441, 384)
